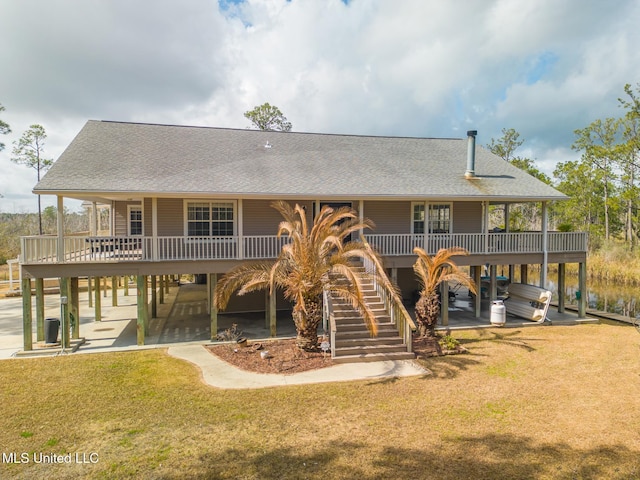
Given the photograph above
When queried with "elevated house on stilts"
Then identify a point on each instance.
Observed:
(196, 200)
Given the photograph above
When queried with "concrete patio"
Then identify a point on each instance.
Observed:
(183, 319)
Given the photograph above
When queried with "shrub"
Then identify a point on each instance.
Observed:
(448, 342)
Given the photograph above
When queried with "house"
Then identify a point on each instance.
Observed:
(196, 200)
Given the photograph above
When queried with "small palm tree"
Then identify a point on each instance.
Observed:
(431, 272)
(314, 259)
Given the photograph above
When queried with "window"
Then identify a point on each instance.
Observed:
(210, 219)
(418, 218)
(439, 218)
(135, 220)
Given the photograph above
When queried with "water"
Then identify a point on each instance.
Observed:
(618, 299)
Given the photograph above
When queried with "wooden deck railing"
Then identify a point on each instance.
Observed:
(328, 319)
(87, 249)
(392, 300)
(479, 243)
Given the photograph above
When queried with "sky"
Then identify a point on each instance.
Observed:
(423, 68)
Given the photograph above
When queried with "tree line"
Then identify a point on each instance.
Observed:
(16, 225)
(603, 185)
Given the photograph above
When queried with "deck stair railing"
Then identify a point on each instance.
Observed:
(328, 319)
(391, 299)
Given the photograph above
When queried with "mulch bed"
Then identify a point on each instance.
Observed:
(284, 357)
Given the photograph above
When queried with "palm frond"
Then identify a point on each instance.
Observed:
(432, 271)
(352, 291)
(303, 265)
(365, 251)
(242, 279)
(328, 218)
(354, 225)
(421, 269)
(295, 219)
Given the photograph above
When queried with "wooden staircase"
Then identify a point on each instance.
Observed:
(353, 342)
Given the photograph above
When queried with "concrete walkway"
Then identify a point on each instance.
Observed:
(220, 374)
(186, 340)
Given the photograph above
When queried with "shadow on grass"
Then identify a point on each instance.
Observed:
(512, 338)
(490, 456)
(449, 366)
(386, 381)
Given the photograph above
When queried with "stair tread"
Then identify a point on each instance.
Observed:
(374, 357)
(357, 325)
(350, 334)
(353, 341)
(347, 342)
(365, 349)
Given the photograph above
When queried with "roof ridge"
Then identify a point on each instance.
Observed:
(276, 131)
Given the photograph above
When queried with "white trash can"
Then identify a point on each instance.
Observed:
(498, 313)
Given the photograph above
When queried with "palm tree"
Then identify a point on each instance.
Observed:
(314, 259)
(431, 272)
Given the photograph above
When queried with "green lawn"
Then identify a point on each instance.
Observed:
(548, 402)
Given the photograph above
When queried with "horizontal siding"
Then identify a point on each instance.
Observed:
(147, 217)
(121, 219)
(251, 302)
(254, 302)
(389, 217)
(260, 218)
(407, 283)
(395, 217)
(467, 217)
(170, 217)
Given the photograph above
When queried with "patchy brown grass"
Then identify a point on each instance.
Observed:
(544, 403)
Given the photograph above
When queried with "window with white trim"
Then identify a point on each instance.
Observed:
(438, 219)
(210, 219)
(417, 225)
(134, 213)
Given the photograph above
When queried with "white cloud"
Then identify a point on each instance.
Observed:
(414, 67)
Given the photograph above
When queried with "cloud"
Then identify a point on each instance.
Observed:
(95, 56)
(415, 68)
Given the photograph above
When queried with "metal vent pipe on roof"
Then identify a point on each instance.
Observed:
(471, 154)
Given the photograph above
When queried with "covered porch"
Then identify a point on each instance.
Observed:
(152, 258)
(151, 282)
(183, 318)
(109, 249)
(180, 315)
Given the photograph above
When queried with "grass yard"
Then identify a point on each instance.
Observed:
(548, 402)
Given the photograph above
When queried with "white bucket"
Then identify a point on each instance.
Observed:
(498, 313)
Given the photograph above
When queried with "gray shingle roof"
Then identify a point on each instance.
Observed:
(114, 158)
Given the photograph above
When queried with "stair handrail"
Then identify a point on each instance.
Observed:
(328, 319)
(397, 311)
